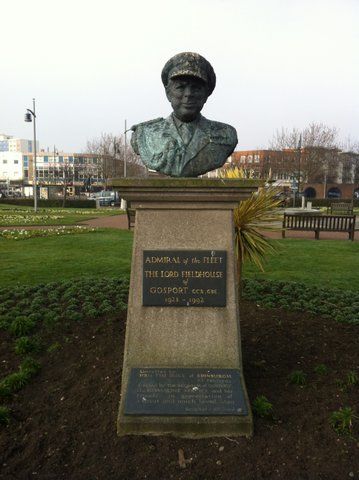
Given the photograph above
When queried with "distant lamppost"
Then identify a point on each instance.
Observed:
(325, 169)
(123, 201)
(30, 116)
(125, 152)
(299, 159)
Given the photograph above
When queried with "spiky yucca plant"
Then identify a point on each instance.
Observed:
(251, 218)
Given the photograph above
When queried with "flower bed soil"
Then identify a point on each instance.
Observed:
(64, 421)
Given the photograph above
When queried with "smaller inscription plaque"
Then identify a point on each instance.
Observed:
(184, 278)
(185, 391)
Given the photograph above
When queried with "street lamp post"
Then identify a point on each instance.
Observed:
(299, 158)
(125, 153)
(325, 169)
(123, 201)
(30, 116)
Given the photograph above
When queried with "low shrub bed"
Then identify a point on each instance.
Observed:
(50, 303)
(336, 304)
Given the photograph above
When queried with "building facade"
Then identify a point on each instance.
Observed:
(12, 152)
(11, 166)
(77, 172)
(9, 144)
(55, 171)
(316, 172)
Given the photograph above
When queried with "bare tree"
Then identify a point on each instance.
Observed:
(104, 148)
(348, 145)
(118, 158)
(62, 173)
(315, 135)
(67, 176)
(313, 151)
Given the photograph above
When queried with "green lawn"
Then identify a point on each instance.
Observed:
(326, 263)
(42, 260)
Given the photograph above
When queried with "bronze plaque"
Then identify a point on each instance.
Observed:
(185, 391)
(184, 278)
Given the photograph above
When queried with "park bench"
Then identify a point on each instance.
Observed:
(319, 223)
(341, 208)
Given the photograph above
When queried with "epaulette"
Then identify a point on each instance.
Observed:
(149, 122)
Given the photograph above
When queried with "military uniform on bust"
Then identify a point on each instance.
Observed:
(163, 148)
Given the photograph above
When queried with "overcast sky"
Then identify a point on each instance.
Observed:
(92, 65)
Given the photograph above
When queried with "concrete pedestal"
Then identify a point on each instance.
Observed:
(183, 215)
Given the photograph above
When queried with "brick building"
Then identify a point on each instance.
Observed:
(321, 172)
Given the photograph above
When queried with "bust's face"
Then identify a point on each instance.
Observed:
(187, 96)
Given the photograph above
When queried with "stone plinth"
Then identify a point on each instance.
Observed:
(184, 247)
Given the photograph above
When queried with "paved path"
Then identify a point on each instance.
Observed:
(113, 221)
(120, 221)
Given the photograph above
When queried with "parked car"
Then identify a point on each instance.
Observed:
(333, 195)
(283, 197)
(106, 198)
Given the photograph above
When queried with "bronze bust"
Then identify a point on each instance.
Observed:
(185, 144)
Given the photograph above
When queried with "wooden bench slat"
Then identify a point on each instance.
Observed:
(319, 223)
(342, 208)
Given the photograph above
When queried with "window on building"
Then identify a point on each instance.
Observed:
(16, 162)
(4, 161)
(256, 158)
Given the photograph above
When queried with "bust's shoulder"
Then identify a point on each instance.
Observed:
(147, 133)
(213, 125)
(220, 130)
(149, 124)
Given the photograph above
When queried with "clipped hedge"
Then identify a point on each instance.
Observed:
(322, 202)
(326, 202)
(52, 203)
